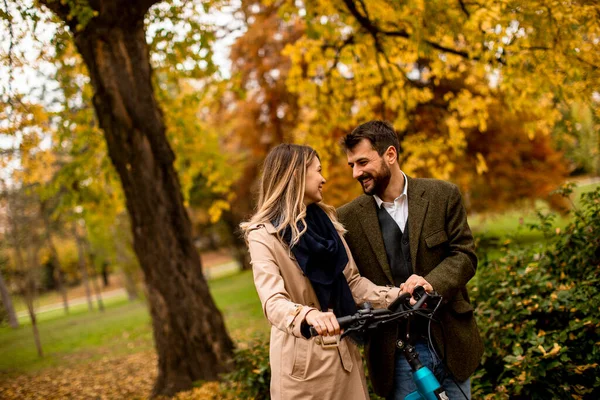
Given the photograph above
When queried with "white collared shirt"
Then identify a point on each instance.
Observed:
(399, 208)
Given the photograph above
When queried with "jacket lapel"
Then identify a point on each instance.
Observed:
(417, 208)
(370, 226)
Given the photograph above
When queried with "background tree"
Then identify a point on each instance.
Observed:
(362, 60)
(57, 271)
(190, 337)
(8, 309)
(83, 269)
(25, 239)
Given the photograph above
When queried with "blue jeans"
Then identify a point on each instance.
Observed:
(403, 381)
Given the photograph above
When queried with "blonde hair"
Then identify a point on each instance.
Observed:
(281, 192)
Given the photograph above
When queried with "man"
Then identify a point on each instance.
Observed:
(412, 232)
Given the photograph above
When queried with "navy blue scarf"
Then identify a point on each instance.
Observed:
(322, 257)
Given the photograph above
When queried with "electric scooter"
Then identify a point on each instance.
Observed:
(367, 319)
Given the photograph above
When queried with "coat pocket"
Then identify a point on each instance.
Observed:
(301, 348)
(436, 238)
(461, 307)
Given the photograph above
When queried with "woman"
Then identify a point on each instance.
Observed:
(305, 275)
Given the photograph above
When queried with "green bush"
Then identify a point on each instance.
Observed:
(251, 377)
(539, 313)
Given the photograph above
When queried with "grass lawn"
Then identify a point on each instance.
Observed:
(514, 223)
(123, 328)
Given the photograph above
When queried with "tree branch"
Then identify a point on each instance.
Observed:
(338, 52)
(593, 66)
(445, 49)
(375, 31)
(463, 7)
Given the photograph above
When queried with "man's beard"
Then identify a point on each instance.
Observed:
(379, 181)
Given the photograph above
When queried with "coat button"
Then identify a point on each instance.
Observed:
(318, 340)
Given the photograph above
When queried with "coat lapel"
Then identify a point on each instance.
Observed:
(417, 208)
(370, 225)
(273, 231)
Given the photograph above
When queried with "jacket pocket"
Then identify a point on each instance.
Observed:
(461, 307)
(300, 358)
(436, 238)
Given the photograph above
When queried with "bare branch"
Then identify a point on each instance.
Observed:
(463, 7)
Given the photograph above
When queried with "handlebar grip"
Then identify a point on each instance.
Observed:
(345, 321)
(342, 321)
(399, 302)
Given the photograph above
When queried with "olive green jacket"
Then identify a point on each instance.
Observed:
(442, 251)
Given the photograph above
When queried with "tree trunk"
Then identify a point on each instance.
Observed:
(242, 211)
(83, 267)
(28, 294)
(29, 287)
(90, 253)
(105, 281)
(130, 285)
(17, 219)
(58, 272)
(97, 290)
(94, 278)
(8, 305)
(239, 249)
(238, 244)
(60, 279)
(36, 333)
(190, 336)
(124, 261)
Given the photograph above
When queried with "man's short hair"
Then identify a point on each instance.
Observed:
(381, 134)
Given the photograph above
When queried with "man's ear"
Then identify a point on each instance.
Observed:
(391, 156)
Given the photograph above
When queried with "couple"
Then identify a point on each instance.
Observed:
(309, 268)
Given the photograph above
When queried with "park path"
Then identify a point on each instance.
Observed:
(73, 302)
(587, 181)
(212, 272)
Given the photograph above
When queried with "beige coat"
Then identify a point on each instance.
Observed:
(301, 368)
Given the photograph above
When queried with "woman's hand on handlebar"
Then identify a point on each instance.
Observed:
(325, 323)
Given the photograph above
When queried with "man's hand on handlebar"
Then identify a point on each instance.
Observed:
(414, 281)
(325, 323)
